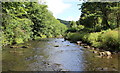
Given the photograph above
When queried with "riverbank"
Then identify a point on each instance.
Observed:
(104, 40)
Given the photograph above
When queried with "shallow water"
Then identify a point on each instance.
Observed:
(55, 54)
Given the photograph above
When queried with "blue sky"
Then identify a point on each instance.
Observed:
(65, 9)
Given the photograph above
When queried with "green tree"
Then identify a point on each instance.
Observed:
(73, 24)
(99, 14)
(23, 21)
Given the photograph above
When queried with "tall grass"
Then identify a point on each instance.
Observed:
(107, 40)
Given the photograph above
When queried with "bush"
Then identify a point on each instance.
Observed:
(19, 40)
(105, 39)
(80, 27)
(93, 38)
(72, 30)
(75, 36)
(3, 39)
(85, 37)
(110, 40)
(17, 30)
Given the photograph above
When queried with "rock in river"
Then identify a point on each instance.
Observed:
(56, 46)
(14, 46)
(24, 46)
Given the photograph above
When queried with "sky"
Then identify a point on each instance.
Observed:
(65, 9)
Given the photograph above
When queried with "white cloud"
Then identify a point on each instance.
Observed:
(57, 6)
(71, 1)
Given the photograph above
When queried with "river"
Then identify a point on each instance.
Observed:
(55, 54)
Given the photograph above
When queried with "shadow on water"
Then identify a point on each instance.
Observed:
(54, 54)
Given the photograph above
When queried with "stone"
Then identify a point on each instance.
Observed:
(79, 42)
(108, 53)
(93, 48)
(24, 47)
(86, 46)
(56, 46)
(102, 54)
(95, 52)
(14, 47)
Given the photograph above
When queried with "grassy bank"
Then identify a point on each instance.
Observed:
(107, 40)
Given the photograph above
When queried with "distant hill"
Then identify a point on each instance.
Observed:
(64, 21)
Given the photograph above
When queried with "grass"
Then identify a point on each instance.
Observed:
(108, 40)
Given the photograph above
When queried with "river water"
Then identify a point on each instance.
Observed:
(55, 54)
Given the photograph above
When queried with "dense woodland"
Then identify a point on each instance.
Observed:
(98, 25)
(23, 21)
(64, 21)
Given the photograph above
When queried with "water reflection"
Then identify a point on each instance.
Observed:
(55, 54)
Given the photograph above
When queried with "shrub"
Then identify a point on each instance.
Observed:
(43, 36)
(80, 27)
(72, 30)
(3, 39)
(17, 30)
(110, 40)
(93, 37)
(75, 36)
(105, 39)
(85, 37)
(19, 40)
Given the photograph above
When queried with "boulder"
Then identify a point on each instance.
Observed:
(108, 53)
(102, 54)
(105, 53)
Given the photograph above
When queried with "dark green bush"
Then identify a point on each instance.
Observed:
(72, 30)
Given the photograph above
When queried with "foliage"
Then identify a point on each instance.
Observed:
(64, 21)
(73, 36)
(110, 40)
(104, 39)
(74, 27)
(3, 39)
(80, 27)
(23, 21)
(100, 15)
(72, 30)
(98, 25)
(17, 30)
(72, 24)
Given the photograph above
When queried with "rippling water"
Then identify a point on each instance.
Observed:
(55, 54)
